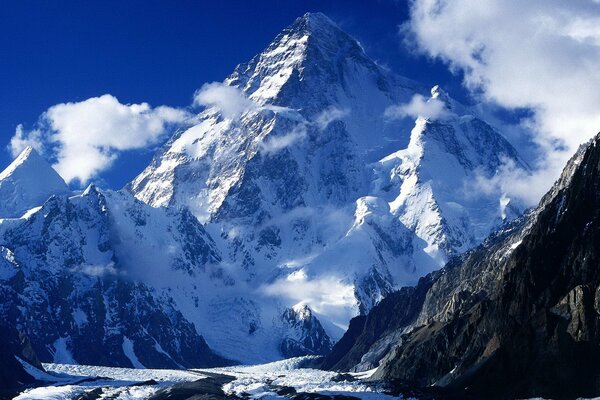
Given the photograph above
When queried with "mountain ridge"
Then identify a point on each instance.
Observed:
(516, 317)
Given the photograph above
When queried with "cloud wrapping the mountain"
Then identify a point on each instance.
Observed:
(540, 55)
(86, 137)
(22, 139)
(327, 295)
(419, 106)
(273, 144)
(231, 101)
(329, 115)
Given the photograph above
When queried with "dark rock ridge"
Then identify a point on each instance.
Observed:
(517, 317)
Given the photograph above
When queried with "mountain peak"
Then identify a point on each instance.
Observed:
(28, 156)
(27, 182)
(315, 21)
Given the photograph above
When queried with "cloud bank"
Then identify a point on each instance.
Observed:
(86, 137)
(541, 55)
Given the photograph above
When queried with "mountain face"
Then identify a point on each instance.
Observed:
(313, 181)
(517, 317)
(257, 233)
(71, 280)
(27, 183)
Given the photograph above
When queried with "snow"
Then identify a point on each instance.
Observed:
(358, 207)
(61, 352)
(27, 182)
(130, 353)
(73, 380)
(256, 380)
(123, 374)
(80, 317)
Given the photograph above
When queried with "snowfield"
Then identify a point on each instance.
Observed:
(256, 382)
(261, 380)
(67, 381)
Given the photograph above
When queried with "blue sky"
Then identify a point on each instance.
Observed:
(536, 61)
(160, 52)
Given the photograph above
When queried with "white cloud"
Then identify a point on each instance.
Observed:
(329, 115)
(98, 270)
(231, 101)
(23, 139)
(419, 106)
(87, 137)
(541, 55)
(514, 182)
(273, 144)
(326, 295)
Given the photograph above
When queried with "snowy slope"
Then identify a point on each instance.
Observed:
(431, 185)
(315, 204)
(27, 182)
(77, 279)
(255, 382)
(313, 193)
(104, 278)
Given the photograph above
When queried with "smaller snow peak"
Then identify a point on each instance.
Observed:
(441, 95)
(302, 311)
(90, 190)
(27, 157)
(26, 152)
(27, 182)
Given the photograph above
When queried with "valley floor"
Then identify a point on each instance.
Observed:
(287, 379)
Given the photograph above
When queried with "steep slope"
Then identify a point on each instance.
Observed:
(305, 184)
(27, 182)
(434, 180)
(523, 320)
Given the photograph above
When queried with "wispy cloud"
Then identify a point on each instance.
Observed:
(419, 106)
(231, 101)
(273, 144)
(22, 139)
(329, 115)
(324, 295)
(99, 270)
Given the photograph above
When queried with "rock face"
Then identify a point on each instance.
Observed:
(517, 317)
(310, 337)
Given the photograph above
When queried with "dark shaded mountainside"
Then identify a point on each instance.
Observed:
(517, 317)
(13, 375)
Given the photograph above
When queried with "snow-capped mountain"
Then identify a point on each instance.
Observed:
(312, 180)
(76, 278)
(517, 317)
(431, 185)
(102, 278)
(27, 182)
(257, 233)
